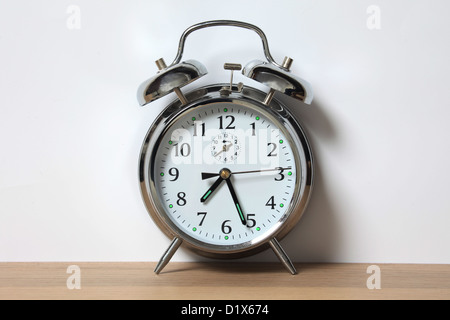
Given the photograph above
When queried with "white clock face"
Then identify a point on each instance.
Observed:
(225, 174)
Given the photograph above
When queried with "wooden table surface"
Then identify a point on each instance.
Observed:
(224, 281)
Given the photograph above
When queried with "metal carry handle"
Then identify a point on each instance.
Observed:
(216, 23)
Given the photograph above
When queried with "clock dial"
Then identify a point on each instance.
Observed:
(225, 174)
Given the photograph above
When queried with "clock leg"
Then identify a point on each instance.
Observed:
(176, 242)
(281, 254)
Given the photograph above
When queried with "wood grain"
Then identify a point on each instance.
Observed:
(228, 281)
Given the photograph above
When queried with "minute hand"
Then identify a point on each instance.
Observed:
(206, 175)
(236, 202)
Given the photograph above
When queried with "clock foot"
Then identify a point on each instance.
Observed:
(281, 254)
(176, 242)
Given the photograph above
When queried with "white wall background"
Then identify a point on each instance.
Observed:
(71, 128)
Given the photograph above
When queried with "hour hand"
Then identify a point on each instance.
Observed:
(211, 189)
(207, 175)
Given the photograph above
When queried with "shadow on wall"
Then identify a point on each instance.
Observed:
(316, 237)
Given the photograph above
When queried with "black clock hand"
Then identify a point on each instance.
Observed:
(207, 175)
(236, 202)
(211, 190)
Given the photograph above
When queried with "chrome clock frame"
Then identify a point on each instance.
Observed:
(278, 113)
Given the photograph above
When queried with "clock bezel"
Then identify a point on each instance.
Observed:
(252, 98)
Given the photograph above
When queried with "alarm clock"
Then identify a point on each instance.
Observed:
(226, 170)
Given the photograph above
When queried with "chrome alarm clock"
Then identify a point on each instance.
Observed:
(225, 170)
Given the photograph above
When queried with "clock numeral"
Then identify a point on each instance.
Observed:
(181, 199)
(271, 202)
(195, 129)
(250, 222)
(274, 147)
(225, 228)
(184, 149)
(281, 177)
(229, 125)
(253, 129)
(204, 216)
(174, 173)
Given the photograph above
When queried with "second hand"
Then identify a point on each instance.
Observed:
(206, 175)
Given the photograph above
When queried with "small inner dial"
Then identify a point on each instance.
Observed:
(225, 147)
